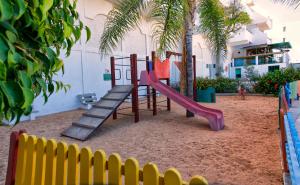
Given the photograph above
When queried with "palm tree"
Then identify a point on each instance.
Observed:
(213, 27)
(218, 24)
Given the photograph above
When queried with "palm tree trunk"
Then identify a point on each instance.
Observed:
(189, 25)
(219, 66)
(183, 79)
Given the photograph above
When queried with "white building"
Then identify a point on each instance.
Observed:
(85, 68)
(252, 46)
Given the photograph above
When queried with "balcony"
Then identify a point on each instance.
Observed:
(239, 62)
(243, 37)
(262, 22)
(271, 59)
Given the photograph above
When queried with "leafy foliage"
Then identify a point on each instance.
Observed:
(270, 82)
(32, 33)
(218, 23)
(235, 18)
(222, 85)
(168, 16)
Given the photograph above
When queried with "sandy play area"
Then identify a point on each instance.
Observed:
(245, 153)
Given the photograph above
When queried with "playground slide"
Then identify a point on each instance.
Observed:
(214, 116)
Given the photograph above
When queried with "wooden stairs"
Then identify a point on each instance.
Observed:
(100, 112)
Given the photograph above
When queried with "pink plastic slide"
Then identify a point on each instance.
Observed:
(214, 116)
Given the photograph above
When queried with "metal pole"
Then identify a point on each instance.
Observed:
(113, 79)
(148, 87)
(153, 90)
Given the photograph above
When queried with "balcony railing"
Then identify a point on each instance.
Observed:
(238, 62)
(270, 59)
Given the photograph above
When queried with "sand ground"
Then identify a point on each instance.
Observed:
(245, 153)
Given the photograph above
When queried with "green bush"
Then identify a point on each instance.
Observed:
(222, 85)
(270, 82)
(32, 34)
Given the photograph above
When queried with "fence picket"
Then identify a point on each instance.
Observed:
(30, 160)
(114, 170)
(50, 162)
(21, 162)
(40, 161)
(61, 166)
(99, 168)
(198, 180)
(86, 166)
(131, 172)
(73, 168)
(150, 174)
(172, 177)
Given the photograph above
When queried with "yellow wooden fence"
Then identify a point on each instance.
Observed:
(46, 162)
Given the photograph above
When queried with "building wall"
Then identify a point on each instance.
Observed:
(260, 69)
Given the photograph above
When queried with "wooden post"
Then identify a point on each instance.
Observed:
(168, 99)
(148, 87)
(168, 55)
(195, 80)
(153, 90)
(113, 79)
(283, 141)
(134, 82)
(12, 157)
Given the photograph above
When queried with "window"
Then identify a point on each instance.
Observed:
(273, 68)
(283, 39)
(284, 29)
(238, 73)
(214, 65)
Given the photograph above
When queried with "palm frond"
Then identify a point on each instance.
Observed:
(212, 25)
(295, 3)
(124, 17)
(168, 16)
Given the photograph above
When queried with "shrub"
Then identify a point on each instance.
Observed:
(270, 82)
(32, 33)
(222, 85)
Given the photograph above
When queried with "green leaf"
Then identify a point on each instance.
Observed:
(58, 65)
(22, 8)
(42, 84)
(9, 27)
(13, 58)
(36, 3)
(67, 30)
(6, 10)
(50, 88)
(11, 36)
(3, 49)
(25, 79)
(2, 104)
(88, 33)
(13, 93)
(28, 97)
(45, 7)
(2, 71)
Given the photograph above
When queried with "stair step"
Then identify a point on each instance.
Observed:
(98, 113)
(88, 122)
(115, 96)
(121, 89)
(112, 104)
(76, 132)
